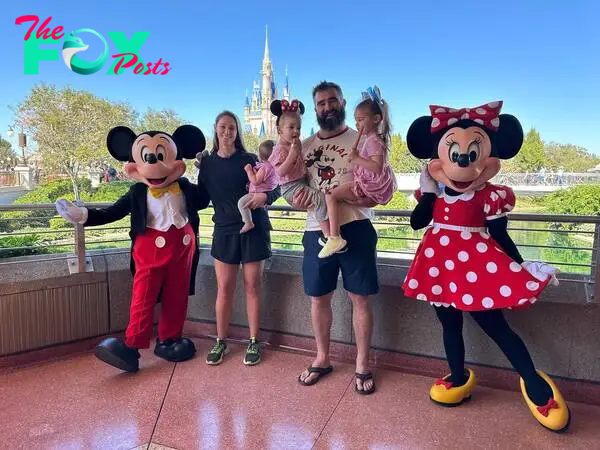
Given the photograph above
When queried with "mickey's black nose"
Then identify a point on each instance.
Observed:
(151, 158)
(463, 160)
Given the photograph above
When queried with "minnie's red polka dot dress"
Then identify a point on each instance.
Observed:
(458, 263)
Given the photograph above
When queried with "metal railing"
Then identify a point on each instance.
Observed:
(569, 242)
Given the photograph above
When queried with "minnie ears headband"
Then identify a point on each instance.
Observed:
(278, 107)
(486, 115)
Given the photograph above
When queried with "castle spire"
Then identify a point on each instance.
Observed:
(266, 57)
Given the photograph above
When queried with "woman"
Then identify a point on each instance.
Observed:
(222, 172)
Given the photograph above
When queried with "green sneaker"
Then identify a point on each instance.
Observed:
(252, 353)
(219, 350)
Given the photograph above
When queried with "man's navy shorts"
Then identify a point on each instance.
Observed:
(358, 262)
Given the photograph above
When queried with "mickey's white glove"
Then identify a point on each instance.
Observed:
(203, 154)
(427, 184)
(541, 271)
(74, 213)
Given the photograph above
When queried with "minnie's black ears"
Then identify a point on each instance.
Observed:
(419, 140)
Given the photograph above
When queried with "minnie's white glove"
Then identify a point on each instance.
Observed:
(541, 271)
(74, 213)
(427, 184)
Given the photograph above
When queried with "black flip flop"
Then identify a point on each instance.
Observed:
(364, 377)
(321, 371)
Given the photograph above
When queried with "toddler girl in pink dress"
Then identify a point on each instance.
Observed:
(374, 178)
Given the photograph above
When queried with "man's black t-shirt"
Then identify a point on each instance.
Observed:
(227, 182)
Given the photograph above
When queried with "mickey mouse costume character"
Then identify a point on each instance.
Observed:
(466, 260)
(164, 230)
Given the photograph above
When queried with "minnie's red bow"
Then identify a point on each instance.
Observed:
(289, 107)
(486, 115)
(545, 410)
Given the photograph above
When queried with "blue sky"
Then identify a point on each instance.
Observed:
(542, 59)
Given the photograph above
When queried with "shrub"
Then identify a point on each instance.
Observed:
(13, 242)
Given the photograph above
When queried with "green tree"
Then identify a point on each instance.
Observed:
(531, 158)
(583, 199)
(570, 158)
(164, 120)
(8, 157)
(400, 158)
(70, 127)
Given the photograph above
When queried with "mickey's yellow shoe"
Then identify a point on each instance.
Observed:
(555, 415)
(443, 393)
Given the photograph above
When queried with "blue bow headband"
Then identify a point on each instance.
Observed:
(374, 94)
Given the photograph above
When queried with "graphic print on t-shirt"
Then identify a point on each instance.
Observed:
(327, 163)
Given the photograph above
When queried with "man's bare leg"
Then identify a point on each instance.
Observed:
(362, 321)
(322, 317)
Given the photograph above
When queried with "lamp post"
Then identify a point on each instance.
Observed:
(22, 142)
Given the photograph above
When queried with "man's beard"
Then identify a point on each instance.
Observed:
(332, 120)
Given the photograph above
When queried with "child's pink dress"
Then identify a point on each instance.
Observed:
(378, 187)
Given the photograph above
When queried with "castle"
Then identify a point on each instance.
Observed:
(258, 118)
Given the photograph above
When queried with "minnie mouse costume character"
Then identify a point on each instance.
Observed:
(466, 260)
(164, 230)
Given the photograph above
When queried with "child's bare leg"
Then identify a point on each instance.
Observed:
(246, 213)
(333, 200)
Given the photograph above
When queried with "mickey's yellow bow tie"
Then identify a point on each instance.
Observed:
(173, 188)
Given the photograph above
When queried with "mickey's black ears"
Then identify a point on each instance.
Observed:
(301, 107)
(276, 107)
(507, 141)
(189, 140)
(420, 141)
(119, 142)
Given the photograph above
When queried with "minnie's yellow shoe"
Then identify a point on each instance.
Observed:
(555, 415)
(444, 394)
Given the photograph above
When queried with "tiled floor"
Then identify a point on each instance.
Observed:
(81, 403)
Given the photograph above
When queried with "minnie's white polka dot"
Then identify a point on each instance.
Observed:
(487, 302)
(436, 230)
(449, 264)
(493, 104)
(481, 247)
(434, 271)
(515, 267)
(495, 122)
(467, 299)
(436, 290)
(498, 249)
(413, 284)
(463, 256)
(484, 235)
(444, 240)
(523, 301)
(435, 122)
(491, 267)
(498, 212)
(479, 121)
(480, 111)
(505, 291)
(422, 297)
(494, 196)
(532, 285)
(453, 287)
(452, 110)
(452, 120)
(501, 193)
(465, 116)
(446, 209)
(446, 218)
(486, 208)
(429, 252)
(508, 207)
(471, 277)
(533, 300)
(466, 235)
(440, 110)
